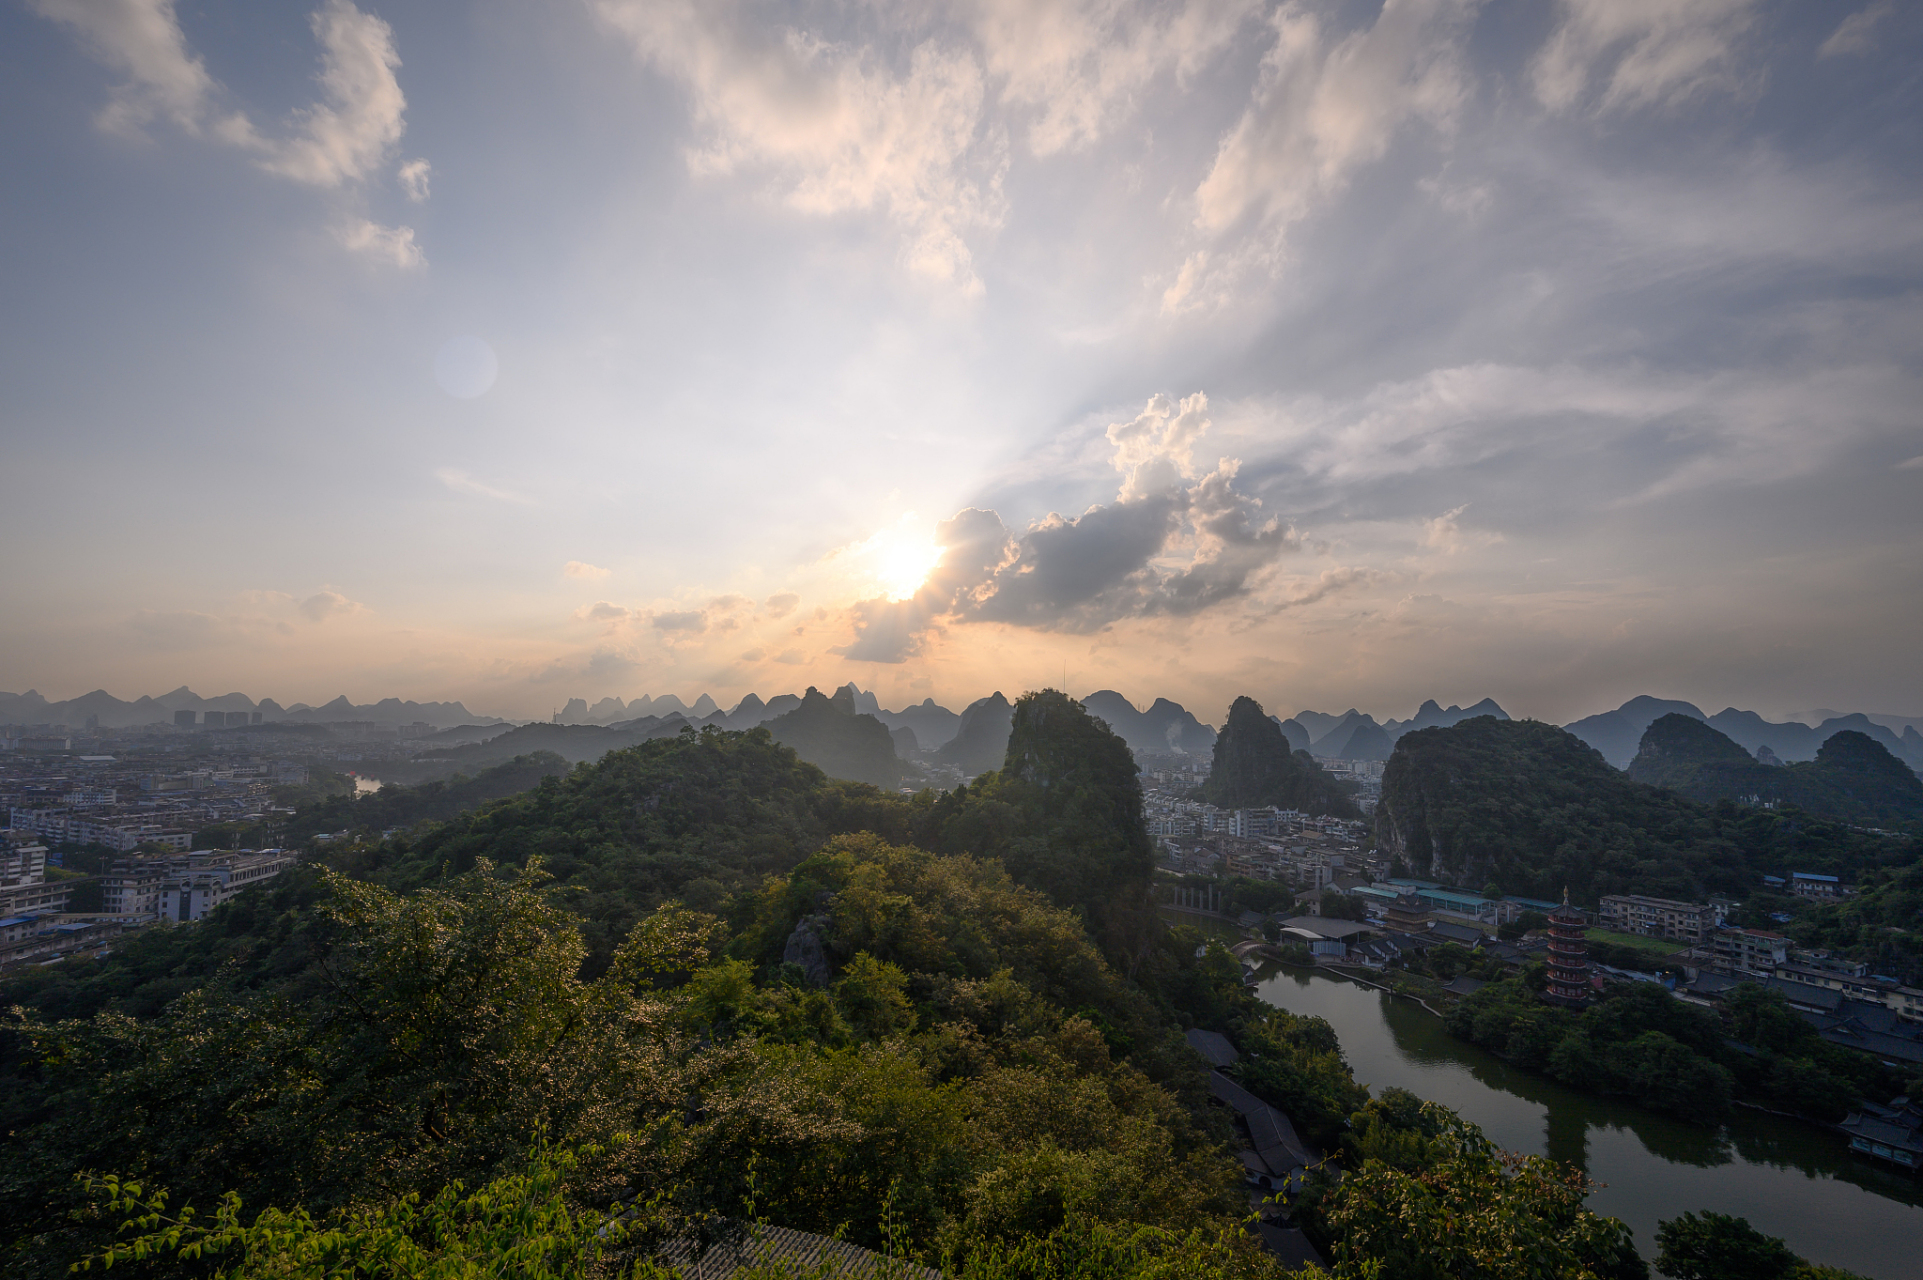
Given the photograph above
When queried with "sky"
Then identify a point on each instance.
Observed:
(1338, 354)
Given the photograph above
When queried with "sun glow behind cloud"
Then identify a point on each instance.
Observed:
(896, 560)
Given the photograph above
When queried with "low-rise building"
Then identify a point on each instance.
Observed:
(186, 888)
(1807, 884)
(1687, 922)
(1748, 950)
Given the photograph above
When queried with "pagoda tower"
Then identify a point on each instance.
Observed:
(1568, 956)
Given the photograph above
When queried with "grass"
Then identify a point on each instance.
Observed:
(1653, 946)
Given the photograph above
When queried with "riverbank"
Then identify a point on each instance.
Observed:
(1788, 1178)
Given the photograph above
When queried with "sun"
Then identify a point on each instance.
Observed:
(903, 563)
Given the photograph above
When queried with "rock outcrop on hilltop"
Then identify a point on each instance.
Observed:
(981, 738)
(831, 735)
(1254, 766)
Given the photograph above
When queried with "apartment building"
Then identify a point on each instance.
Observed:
(1689, 922)
(187, 888)
(1750, 950)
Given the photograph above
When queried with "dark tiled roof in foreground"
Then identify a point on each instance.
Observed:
(1274, 1137)
(800, 1254)
(1212, 1045)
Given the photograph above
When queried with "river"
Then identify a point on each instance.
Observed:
(1788, 1178)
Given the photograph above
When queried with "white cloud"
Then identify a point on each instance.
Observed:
(328, 603)
(384, 244)
(334, 143)
(1857, 32)
(1646, 52)
(582, 569)
(461, 482)
(1082, 64)
(1156, 450)
(351, 131)
(338, 140)
(1719, 430)
(1446, 534)
(1322, 108)
(414, 177)
(141, 38)
(836, 129)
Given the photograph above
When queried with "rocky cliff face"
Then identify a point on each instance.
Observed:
(1254, 766)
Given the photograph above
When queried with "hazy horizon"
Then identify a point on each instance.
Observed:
(1211, 716)
(1341, 354)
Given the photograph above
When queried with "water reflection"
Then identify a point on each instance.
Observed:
(1788, 1178)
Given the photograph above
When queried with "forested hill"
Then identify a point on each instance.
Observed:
(1532, 809)
(909, 1047)
(1853, 778)
(1253, 766)
(399, 806)
(844, 743)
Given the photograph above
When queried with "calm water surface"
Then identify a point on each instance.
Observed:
(1789, 1179)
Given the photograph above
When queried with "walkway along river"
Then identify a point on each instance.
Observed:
(1788, 1178)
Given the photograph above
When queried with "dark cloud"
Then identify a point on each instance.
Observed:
(1172, 552)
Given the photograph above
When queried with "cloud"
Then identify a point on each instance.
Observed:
(351, 131)
(1166, 547)
(582, 569)
(414, 177)
(835, 129)
(602, 611)
(175, 630)
(1322, 108)
(323, 605)
(781, 604)
(1446, 534)
(1327, 583)
(1081, 64)
(1857, 32)
(336, 142)
(1155, 450)
(1647, 53)
(1911, 464)
(1720, 429)
(461, 482)
(685, 620)
(339, 139)
(384, 244)
(141, 38)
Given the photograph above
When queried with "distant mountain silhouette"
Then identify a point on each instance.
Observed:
(1618, 734)
(1354, 737)
(1165, 726)
(1253, 766)
(933, 725)
(1853, 777)
(1292, 730)
(981, 739)
(843, 743)
(1432, 716)
(114, 713)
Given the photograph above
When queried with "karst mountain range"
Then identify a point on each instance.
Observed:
(980, 728)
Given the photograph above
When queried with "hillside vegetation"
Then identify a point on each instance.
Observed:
(1531, 808)
(1253, 767)
(1852, 779)
(510, 1043)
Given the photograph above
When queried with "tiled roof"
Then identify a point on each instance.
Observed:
(1212, 1045)
(799, 1254)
